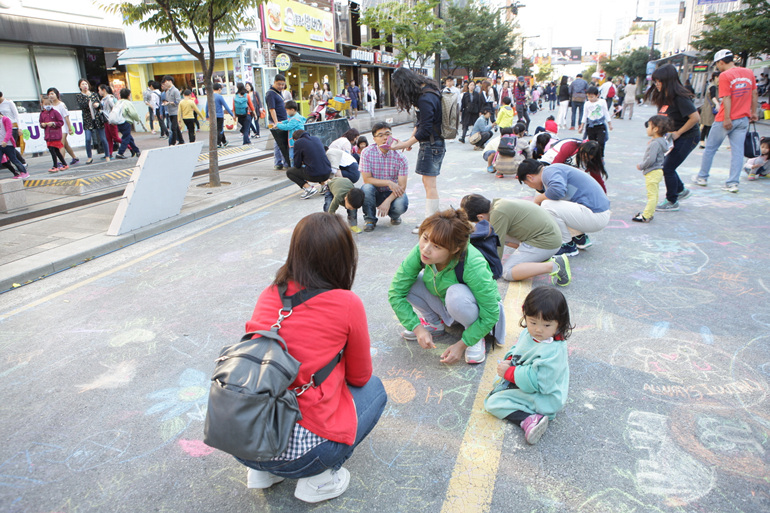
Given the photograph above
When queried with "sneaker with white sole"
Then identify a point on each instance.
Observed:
(562, 275)
(703, 182)
(730, 187)
(260, 479)
(667, 206)
(326, 485)
(476, 353)
(433, 330)
(534, 426)
(308, 192)
(684, 195)
(582, 241)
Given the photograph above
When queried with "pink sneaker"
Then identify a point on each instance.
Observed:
(534, 426)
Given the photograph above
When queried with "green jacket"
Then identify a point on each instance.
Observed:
(339, 187)
(129, 112)
(476, 276)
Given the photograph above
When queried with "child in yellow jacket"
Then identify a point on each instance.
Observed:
(187, 111)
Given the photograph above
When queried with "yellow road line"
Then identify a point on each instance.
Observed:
(137, 260)
(473, 478)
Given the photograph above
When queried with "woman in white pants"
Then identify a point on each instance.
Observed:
(371, 99)
(561, 119)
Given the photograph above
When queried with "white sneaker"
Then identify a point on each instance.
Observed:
(261, 479)
(730, 187)
(324, 486)
(416, 230)
(697, 180)
(308, 192)
(435, 331)
(476, 353)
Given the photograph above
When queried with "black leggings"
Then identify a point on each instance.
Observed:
(517, 417)
(56, 154)
(190, 124)
(705, 132)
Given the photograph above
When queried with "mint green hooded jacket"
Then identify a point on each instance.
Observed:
(541, 375)
(476, 276)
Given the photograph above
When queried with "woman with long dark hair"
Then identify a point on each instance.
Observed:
(340, 412)
(91, 109)
(561, 118)
(256, 104)
(674, 102)
(470, 106)
(412, 90)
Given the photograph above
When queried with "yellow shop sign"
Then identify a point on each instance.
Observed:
(293, 22)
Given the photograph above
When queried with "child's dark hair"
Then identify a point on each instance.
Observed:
(475, 204)
(550, 305)
(663, 124)
(550, 118)
(506, 130)
(764, 141)
(589, 157)
(297, 134)
(593, 90)
(485, 110)
(541, 141)
(355, 197)
(125, 94)
(362, 139)
(507, 100)
(187, 92)
(291, 104)
(519, 128)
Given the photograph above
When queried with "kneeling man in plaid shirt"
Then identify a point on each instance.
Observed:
(385, 173)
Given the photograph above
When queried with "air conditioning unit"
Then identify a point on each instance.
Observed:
(250, 56)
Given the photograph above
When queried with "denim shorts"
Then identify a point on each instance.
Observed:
(430, 158)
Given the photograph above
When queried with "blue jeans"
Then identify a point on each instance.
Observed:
(717, 134)
(352, 214)
(89, 140)
(430, 157)
(9, 151)
(373, 198)
(682, 148)
(370, 402)
(552, 103)
(351, 172)
(127, 138)
(577, 107)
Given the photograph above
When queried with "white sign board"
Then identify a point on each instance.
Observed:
(34, 136)
(157, 188)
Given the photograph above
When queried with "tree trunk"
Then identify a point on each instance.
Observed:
(213, 133)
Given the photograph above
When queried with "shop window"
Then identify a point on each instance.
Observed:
(21, 84)
(57, 67)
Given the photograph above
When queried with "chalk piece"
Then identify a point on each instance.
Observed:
(355, 229)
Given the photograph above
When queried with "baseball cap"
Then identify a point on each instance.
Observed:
(521, 78)
(721, 54)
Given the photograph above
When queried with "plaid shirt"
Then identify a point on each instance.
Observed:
(301, 441)
(383, 166)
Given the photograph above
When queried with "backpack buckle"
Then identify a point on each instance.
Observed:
(283, 313)
(305, 386)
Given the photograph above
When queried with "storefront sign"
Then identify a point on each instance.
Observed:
(282, 62)
(362, 55)
(700, 68)
(34, 136)
(385, 58)
(293, 22)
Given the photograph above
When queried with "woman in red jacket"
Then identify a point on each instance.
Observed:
(338, 414)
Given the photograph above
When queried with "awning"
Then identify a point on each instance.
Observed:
(316, 56)
(173, 53)
(24, 29)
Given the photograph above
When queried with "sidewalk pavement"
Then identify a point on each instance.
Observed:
(35, 248)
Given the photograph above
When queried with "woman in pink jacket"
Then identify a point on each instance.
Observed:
(8, 150)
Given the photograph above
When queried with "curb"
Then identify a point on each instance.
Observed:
(36, 267)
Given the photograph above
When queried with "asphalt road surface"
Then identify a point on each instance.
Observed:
(105, 368)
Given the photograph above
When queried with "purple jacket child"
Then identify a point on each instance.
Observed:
(52, 133)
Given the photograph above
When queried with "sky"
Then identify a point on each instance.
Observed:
(572, 22)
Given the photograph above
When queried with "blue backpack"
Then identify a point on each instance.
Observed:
(241, 105)
(486, 241)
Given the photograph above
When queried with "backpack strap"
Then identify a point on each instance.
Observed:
(460, 267)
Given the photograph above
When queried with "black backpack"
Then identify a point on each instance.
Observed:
(251, 410)
(507, 146)
(486, 241)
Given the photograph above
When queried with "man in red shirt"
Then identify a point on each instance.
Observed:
(738, 92)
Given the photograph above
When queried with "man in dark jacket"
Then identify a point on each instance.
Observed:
(310, 161)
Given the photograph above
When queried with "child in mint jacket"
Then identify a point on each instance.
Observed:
(534, 375)
(294, 122)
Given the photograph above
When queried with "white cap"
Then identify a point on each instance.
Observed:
(721, 54)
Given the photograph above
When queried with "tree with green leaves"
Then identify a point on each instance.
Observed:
(545, 71)
(194, 25)
(416, 30)
(635, 64)
(525, 69)
(477, 38)
(746, 32)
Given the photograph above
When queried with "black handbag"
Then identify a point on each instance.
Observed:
(751, 145)
(251, 409)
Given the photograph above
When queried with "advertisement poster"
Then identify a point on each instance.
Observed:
(293, 22)
(34, 137)
(566, 55)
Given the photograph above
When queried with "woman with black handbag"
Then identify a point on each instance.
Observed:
(91, 108)
(339, 413)
(470, 107)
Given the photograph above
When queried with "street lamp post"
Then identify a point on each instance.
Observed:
(654, 27)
